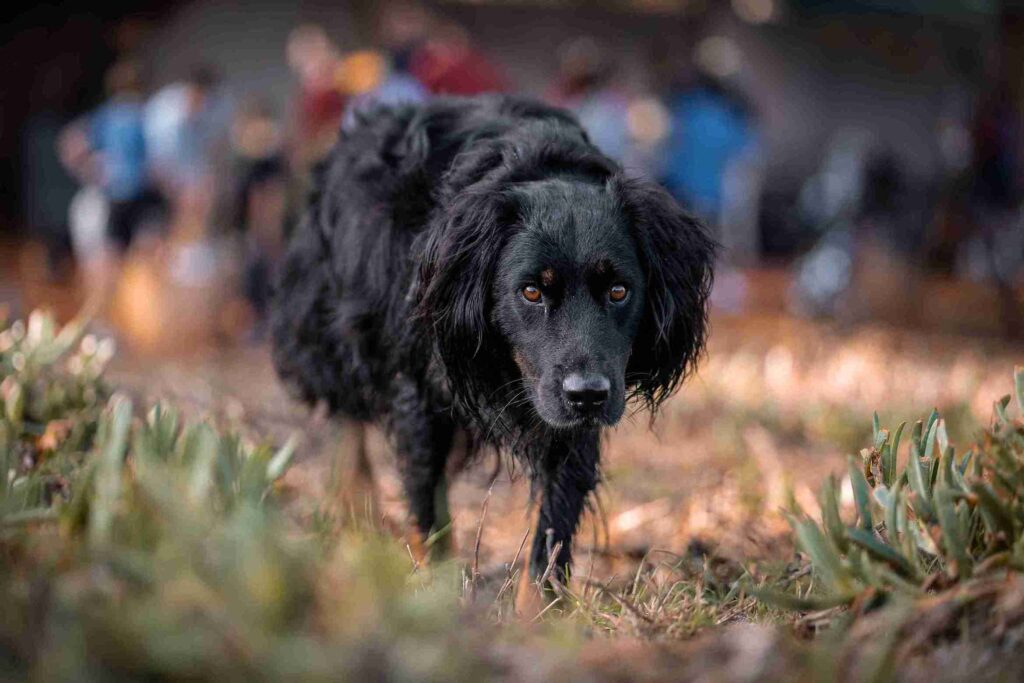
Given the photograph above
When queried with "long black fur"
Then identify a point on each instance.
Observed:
(387, 309)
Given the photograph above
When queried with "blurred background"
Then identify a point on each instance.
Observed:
(861, 162)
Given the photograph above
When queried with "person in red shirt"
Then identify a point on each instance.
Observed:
(437, 53)
(448, 63)
(320, 105)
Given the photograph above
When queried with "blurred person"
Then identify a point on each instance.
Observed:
(835, 190)
(739, 216)
(117, 135)
(997, 147)
(448, 63)
(711, 163)
(860, 204)
(47, 188)
(951, 220)
(319, 104)
(996, 249)
(88, 209)
(260, 202)
(399, 85)
(437, 53)
(177, 289)
(186, 128)
(107, 151)
(711, 127)
(369, 78)
(828, 203)
(584, 86)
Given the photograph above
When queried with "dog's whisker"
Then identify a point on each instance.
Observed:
(526, 388)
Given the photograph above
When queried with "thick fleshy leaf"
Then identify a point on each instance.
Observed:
(878, 549)
(824, 555)
(861, 493)
(997, 516)
(891, 458)
(953, 536)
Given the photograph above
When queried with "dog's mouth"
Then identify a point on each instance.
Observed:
(586, 421)
(562, 416)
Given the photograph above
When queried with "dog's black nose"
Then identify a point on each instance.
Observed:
(586, 391)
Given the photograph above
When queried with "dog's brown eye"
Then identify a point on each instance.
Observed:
(618, 293)
(532, 294)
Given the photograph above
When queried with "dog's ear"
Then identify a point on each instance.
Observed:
(678, 257)
(453, 287)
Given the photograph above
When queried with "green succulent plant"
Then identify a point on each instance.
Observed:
(940, 520)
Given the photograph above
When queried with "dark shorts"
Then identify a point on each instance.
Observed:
(128, 216)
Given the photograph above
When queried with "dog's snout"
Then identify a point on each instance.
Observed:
(586, 391)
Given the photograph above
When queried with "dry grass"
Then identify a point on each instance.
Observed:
(687, 533)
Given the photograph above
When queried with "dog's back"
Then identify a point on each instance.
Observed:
(340, 306)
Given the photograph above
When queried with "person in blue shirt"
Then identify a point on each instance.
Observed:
(711, 128)
(106, 152)
(117, 138)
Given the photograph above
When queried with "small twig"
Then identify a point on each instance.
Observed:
(510, 579)
(802, 572)
(515, 560)
(506, 584)
(553, 550)
(415, 562)
(476, 546)
(590, 567)
(545, 610)
(632, 608)
(663, 551)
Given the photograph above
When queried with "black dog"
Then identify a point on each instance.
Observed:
(478, 265)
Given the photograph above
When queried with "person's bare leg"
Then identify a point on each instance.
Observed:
(100, 274)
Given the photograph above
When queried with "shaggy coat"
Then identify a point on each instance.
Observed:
(477, 265)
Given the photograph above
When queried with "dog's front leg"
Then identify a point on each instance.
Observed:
(423, 440)
(565, 478)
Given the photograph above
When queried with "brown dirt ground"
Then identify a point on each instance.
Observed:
(776, 406)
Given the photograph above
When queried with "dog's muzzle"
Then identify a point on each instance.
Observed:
(586, 393)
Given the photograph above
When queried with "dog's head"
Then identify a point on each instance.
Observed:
(565, 296)
(568, 295)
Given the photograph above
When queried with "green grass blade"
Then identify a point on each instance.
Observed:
(931, 433)
(941, 435)
(892, 529)
(200, 466)
(891, 458)
(279, 463)
(999, 407)
(831, 521)
(922, 492)
(1018, 387)
(952, 534)
(109, 471)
